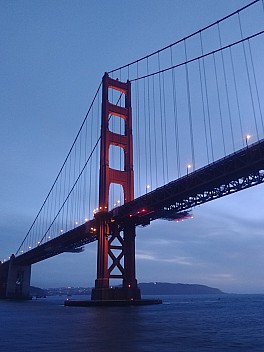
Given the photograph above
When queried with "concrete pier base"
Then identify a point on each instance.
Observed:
(110, 303)
(15, 280)
(116, 293)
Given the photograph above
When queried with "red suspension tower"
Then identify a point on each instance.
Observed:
(116, 242)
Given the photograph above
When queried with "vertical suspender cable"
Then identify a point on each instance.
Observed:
(149, 128)
(189, 107)
(165, 129)
(155, 130)
(61, 196)
(61, 188)
(207, 100)
(204, 115)
(85, 177)
(97, 151)
(80, 188)
(219, 105)
(248, 76)
(68, 190)
(91, 164)
(236, 93)
(226, 88)
(161, 123)
(175, 112)
(74, 201)
(146, 156)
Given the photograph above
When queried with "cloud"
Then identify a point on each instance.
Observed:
(142, 256)
(222, 277)
(179, 260)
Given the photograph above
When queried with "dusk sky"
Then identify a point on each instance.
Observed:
(53, 56)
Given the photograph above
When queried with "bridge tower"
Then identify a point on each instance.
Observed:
(116, 242)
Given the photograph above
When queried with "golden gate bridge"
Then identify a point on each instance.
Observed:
(163, 134)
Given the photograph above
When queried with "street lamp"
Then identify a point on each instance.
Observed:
(188, 168)
(248, 136)
(147, 188)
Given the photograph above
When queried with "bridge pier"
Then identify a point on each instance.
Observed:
(3, 279)
(15, 280)
(126, 247)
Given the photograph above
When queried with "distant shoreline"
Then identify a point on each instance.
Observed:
(150, 288)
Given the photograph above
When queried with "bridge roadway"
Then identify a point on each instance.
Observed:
(71, 241)
(233, 173)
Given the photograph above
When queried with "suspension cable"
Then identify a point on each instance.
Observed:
(199, 57)
(185, 38)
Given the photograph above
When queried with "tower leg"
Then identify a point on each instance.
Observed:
(100, 292)
(102, 280)
(129, 281)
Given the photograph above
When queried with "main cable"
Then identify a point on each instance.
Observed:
(185, 38)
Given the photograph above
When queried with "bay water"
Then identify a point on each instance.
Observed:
(201, 323)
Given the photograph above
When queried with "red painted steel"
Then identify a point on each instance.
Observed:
(116, 245)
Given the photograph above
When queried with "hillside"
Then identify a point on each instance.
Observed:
(164, 288)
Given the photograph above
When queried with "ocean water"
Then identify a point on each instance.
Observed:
(181, 323)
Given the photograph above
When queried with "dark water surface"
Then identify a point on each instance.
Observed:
(181, 323)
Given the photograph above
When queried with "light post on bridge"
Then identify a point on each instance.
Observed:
(189, 166)
(248, 136)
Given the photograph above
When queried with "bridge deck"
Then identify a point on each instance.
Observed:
(66, 242)
(230, 174)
